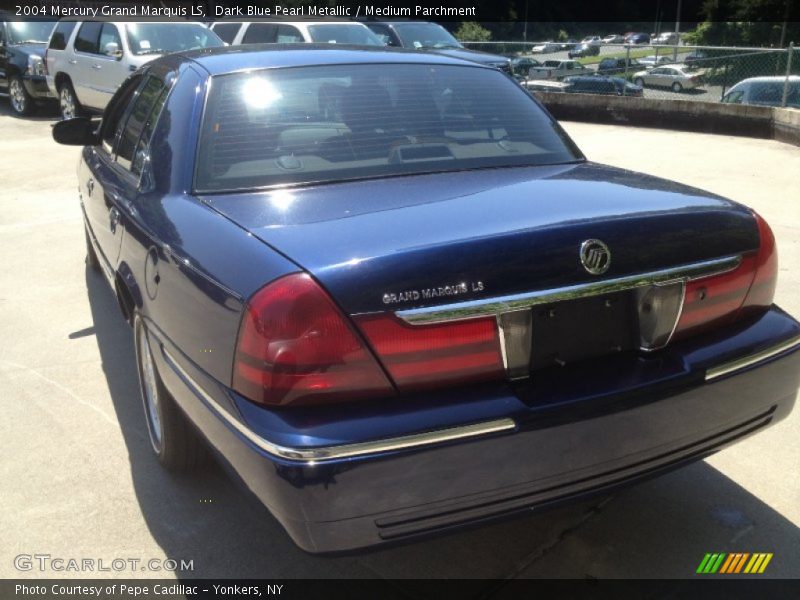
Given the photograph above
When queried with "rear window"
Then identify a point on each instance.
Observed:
(334, 123)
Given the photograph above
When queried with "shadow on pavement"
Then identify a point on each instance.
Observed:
(661, 528)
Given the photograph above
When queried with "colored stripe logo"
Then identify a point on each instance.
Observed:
(735, 562)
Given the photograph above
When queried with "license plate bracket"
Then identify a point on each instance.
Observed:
(573, 330)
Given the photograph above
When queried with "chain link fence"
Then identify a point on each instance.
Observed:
(702, 73)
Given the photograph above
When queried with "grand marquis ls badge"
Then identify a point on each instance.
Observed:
(595, 257)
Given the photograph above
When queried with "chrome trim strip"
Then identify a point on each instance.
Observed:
(327, 453)
(752, 359)
(495, 306)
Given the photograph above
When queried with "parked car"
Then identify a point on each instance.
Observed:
(544, 85)
(614, 39)
(556, 69)
(522, 64)
(432, 37)
(666, 37)
(443, 302)
(675, 77)
(765, 91)
(546, 48)
(592, 40)
(295, 32)
(22, 79)
(584, 50)
(637, 38)
(598, 84)
(651, 61)
(611, 66)
(698, 58)
(86, 61)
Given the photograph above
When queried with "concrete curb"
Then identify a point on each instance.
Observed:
(781, 124)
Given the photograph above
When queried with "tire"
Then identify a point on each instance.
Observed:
(639, 81)
(68, 104)
(18, 97)
(91, 256)
(677, 87)
(173, 439)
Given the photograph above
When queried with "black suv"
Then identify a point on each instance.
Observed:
(22, 46)
(597, 84)
(611, 66)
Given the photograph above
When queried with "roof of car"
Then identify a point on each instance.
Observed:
(230, 59)
(770, 79)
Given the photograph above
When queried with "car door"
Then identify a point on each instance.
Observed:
(109, 67)
(99, 179)
(654, 77)
(80, 61)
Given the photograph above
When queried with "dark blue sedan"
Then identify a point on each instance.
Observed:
(391, 294)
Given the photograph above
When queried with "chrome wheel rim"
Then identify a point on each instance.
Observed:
(67, 103)
(150, 394)
(18, 100)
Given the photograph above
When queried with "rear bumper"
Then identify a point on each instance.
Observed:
(349, 478)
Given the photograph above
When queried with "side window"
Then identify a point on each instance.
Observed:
(289, 35)
(226, 31)
(110, 41)
(116, 109)
(88, 37)
(64, 29)
(260, 33)
(147, 132)
(142, 107)
(733, 97)
(2, 32)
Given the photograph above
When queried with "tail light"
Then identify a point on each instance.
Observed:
(295, 346)
(720, 299)
(434, 355)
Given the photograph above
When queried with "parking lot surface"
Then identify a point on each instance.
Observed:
(79, 479)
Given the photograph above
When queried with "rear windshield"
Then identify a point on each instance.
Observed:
(334, 123)
(425, 35)
(343, 34)
(162, 38)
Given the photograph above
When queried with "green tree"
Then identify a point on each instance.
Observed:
(470, 31)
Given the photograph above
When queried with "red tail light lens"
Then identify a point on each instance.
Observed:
(720, 299)
(295, 346)
(435, 355)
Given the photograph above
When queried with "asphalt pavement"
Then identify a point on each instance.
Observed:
(79, 480)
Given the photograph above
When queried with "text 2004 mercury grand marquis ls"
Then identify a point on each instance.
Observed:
(395, 298)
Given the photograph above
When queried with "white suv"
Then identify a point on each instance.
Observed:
(86, 61)
(281, 32)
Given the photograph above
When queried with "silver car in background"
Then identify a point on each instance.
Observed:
(676, 77)
(86, 61)
(765, 91)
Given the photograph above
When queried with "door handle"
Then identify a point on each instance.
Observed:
(72, 61)
(90, 186)
(113, 217)
(97, 67)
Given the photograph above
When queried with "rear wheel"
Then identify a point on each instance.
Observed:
(677, 87)
(19, 98)
(172, 437)
(68, 102)
(639, 81)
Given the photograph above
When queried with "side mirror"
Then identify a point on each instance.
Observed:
(80, 131)
(112, 49)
